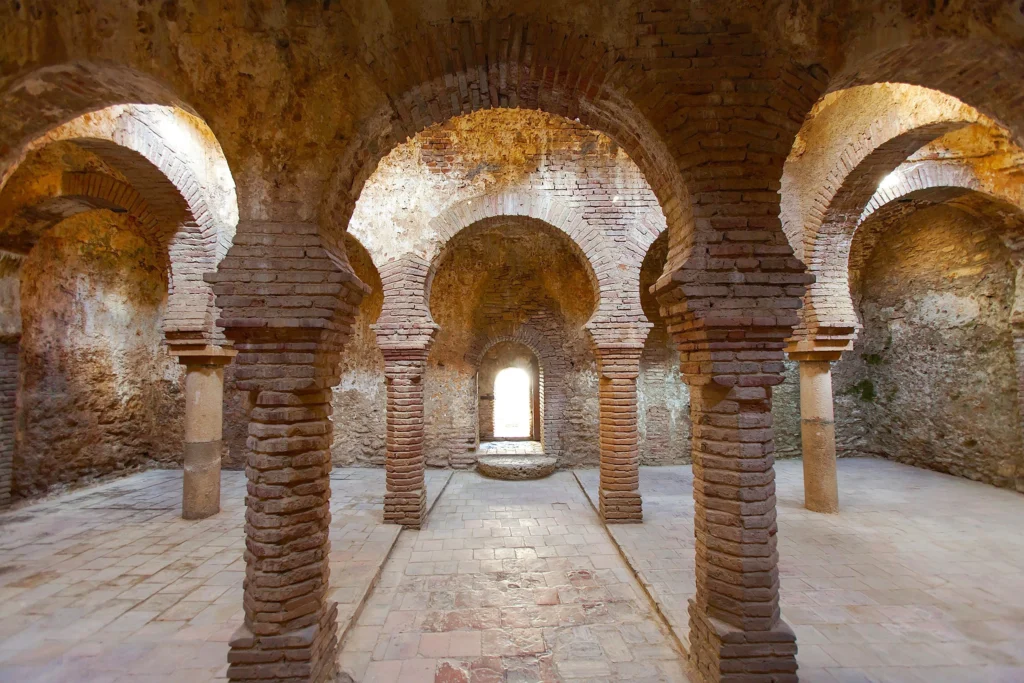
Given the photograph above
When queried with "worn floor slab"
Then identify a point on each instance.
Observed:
(110, 584)
(509, 581)
(510, 448)
(920, 578)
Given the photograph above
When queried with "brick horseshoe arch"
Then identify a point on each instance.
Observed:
(852, 173)
(199, 238)
(76, 193)
(552, 379)
(455, 68)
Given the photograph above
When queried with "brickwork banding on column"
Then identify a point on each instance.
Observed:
(620, 454)
(405, 500)
(288, 307)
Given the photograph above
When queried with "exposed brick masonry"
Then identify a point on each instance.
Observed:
(272, 275)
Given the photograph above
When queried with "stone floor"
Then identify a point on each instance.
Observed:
(510, 448)
(509, 581)
(919, 579)
(110, 584)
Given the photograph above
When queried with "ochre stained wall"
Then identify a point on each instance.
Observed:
(98, 393)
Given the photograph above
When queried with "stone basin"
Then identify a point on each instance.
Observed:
(516, 467)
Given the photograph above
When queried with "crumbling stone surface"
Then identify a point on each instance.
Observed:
(932, 380)
(516, 467)
(98, 393)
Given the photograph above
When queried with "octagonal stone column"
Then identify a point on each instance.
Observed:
(818, 436)
(204, 424)
(619, 497)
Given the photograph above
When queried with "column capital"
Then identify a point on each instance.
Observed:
(817, 348)
(202, 354)
(413, 352)
(618, 360)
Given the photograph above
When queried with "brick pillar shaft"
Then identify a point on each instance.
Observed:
(405, 500)
(288, 306)
(620, 453)
(8, 402)
(290, 631)
(735, 624)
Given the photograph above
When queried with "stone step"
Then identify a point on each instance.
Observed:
(516, 467)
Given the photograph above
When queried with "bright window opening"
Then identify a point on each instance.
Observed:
(512, 404)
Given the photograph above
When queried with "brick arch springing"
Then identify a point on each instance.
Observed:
(553, 369)
(455, 68)
(131, 141)
(836, 184)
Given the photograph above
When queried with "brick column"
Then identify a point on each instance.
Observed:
(405, 501)
(735, 623)
(204, 427)
(288, 307)
(8, 407)
(731, 357)
(620, 453)
(290, 630)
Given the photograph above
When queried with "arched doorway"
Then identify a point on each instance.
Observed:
(510, 392)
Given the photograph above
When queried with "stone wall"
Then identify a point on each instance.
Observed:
(98, 393)
(360, 399)
(931, 380)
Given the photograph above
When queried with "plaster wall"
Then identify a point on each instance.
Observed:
(98, 393)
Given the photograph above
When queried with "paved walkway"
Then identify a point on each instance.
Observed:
(919, 579)
(110, 584)
(509, 581)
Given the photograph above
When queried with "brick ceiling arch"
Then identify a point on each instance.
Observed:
(982, 73)
(131, 141)
(842, 153)
(455, 68)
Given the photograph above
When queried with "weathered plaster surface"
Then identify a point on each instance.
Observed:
(932, 379)
(98, 393)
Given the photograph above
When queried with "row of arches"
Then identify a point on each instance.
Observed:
(713, 154)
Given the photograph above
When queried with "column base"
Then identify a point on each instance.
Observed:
(200, 496)
(308, 655)
(620, 507)
(408, 508)
(722, 653)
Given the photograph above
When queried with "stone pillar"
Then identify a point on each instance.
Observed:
(204, 424)
(405, 501)
(818, 436)
(620, 453)
(8, 409)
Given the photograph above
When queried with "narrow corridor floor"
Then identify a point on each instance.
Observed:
(509, 582)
